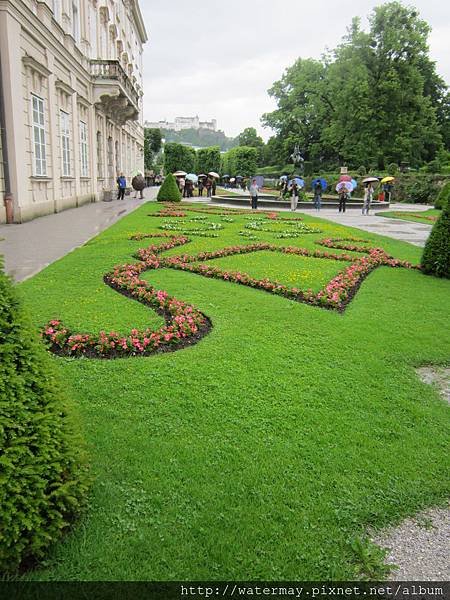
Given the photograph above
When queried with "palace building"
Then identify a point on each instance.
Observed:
(70, 102)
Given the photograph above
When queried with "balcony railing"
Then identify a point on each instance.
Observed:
(112, 69)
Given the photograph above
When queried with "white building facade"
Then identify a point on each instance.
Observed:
(181, 123)
(71, 74)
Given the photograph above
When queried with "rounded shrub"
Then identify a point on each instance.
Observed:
(362, 170)
(43, 470)
(443, 196)
(169, 191)
(436, 254)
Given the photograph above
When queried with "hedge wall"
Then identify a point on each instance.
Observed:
(43, 475)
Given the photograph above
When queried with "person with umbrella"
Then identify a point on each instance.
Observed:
(294, 196)
(208, 186)
(368, 193)
(318, 188)
(138, 184)
(343, 189)
(388, 186)
(254, 189)
(368, 197)
(200, 186)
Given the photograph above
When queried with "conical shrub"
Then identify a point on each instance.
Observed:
(43, 477)
(169, 191)
(436, 254)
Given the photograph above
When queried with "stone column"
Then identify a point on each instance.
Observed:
(10, 56)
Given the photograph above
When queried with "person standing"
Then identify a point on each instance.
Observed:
(368, 197)
(213, 186)
(200, 187)
(254, 189)
(343, 197)
(138, 184)
(294, 196)
(387, 188)
(208, 186)
(121, 186)
(318, 195)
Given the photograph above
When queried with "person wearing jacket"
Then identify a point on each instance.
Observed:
(121, 186)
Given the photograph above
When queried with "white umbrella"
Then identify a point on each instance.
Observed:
(214, 174)
(371, 180)
(180, 174)
(192, 177)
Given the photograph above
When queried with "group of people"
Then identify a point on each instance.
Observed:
(137, 183)
(204, 184)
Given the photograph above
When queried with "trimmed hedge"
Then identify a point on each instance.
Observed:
(169, 191)
(443, 197)
(43, 480)
(436, 254)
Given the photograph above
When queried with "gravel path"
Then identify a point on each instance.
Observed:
(419, 547)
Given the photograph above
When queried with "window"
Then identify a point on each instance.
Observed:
(99, 155)
(75, 20)
(57, 10)
(65, 143)
(93, 31)
(84, 149)
(40, 161)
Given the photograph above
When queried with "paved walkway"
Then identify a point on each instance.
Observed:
(407, 231)
(29, 247)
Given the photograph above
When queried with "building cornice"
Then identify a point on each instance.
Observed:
(137, 14)
(32, 63)
(65, 87)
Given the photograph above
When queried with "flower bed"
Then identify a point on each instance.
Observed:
(185, 324)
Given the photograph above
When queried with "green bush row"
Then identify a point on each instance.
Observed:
(43, 480)
(436, 254)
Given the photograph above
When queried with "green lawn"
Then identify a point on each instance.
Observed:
(268, 449)
(416, 217)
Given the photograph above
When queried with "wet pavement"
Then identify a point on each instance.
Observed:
(29, 247)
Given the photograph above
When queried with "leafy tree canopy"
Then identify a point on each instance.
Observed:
(374, 100)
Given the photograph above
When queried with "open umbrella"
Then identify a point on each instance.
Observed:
(322, 182)
(214, 174)
(202, 176)
(345, 178)
(371, 180)
(283, 178)
(225, 177)
(239, 177)
(192, 177)
(354, 183)
(344, 185)
(180, 174)
(232, 180)
(298, 180)
(387, 179)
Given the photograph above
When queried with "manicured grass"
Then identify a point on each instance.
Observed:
(416, 217)
(266, 450)
(302, 272)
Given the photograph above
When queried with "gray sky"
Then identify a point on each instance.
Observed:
(217, 58)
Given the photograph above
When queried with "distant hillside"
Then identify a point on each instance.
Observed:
(200, 137)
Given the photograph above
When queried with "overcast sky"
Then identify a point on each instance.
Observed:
(217, 58)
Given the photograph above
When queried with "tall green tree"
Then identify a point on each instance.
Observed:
(208, 159)
(178, 157)
(375, 99)
(152, 145)
(242, 160)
